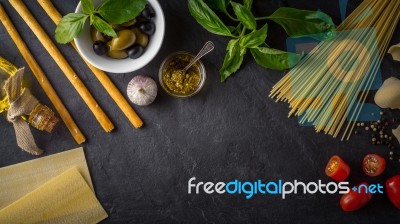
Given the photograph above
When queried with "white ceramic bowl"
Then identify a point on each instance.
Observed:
(84, 44)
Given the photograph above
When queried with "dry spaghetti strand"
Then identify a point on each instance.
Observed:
(330, 85)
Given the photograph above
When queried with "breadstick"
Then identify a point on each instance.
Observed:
(26, 15)
(41, 77)
(101, 76)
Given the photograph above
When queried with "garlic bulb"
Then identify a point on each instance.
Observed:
(395, 52)
(142, 90)
(388, 95)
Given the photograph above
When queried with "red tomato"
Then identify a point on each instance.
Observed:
(373, 165)
(393, 190)
(337, 169)
(354, 200)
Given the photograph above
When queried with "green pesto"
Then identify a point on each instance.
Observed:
(177, 81)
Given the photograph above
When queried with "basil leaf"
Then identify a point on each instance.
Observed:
(274, 59)
(87, 6)
(304, 23)
(120, 11)
(207, 18)
(244, 15)
(102, 26)
(255, 38)
(69, 27)
(219, 5)
(233, 59)
(248, 4)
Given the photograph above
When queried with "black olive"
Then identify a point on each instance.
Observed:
(135, 51)
(148, 12)
(148, 28)
(100, 47)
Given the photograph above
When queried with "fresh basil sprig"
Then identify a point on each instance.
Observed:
(87, 7)
(207, 18)
(274, 59)
(246, 36)
(244, 15)
(302, 22)
(109, 12)
(233, 59)
(69, 27)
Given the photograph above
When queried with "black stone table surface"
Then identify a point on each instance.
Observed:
(228, 131)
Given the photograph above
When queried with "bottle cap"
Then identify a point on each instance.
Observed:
(43, 118)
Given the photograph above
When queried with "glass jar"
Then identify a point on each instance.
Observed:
(177, 84)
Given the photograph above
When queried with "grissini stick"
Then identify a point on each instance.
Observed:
(26, 15)
(41, 77)
(101, 76)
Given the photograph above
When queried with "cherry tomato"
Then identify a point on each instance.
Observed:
(337, 169)
(373, 165)
(393, 190)
(354, 200)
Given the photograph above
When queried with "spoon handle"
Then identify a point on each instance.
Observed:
(208, 46)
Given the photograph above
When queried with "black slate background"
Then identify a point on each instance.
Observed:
(228, 131)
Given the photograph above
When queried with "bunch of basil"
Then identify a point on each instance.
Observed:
(109, 12)
(246, 35)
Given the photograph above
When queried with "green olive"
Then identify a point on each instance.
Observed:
(96, 35)
(117, 54)
(123, 40)
(129, 23)
(141, 38)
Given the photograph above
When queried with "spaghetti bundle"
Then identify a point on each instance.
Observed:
(330, 85)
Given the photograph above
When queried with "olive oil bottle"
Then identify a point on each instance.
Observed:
(6, 70)
(41, 117)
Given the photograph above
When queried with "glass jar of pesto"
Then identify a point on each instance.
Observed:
(179, 84)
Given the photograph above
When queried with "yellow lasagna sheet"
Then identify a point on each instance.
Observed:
(66, 198)
(20, 179)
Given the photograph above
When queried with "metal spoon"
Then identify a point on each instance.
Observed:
(207, 48)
